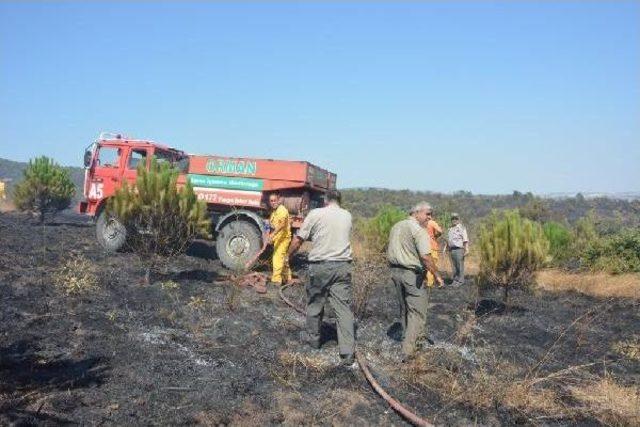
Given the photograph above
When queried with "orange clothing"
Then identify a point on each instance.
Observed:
(434, 230)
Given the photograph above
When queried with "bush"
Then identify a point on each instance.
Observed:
(619, 253)
(585, 231)
(45, 188)
(161, 220)
(560, 239)
(511, 250)
(76, 275)
(443, 218)
(374, 232)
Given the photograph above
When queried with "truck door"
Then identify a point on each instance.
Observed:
(107, 174)
(136, 156)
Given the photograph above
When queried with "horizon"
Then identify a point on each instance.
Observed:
(535, 96)
(622, 195)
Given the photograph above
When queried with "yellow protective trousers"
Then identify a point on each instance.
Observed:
(281, 274)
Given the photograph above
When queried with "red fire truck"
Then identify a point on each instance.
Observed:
(235, 189)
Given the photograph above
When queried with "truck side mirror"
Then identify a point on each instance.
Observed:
(87, 158)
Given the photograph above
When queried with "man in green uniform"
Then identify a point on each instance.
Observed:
(329, 230)
(409, 256)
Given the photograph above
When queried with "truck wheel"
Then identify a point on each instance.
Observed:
(110, 232)
(237, 243)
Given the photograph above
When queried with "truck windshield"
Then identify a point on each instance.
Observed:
(109, 157)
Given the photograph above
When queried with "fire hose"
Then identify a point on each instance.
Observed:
(265, 243)
(396, 405)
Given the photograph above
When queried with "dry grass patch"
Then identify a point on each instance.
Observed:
(292, 367)
(610, 402)
(368, 273)
(483, 386)
(565, 394)
(295, 361)
(339, 409)
(250, 415)
(629, 348)
(465, 330)
(291, 408)
(471, 263)
(197, 303)
(530, 399)
(595, 284)
(77, 275)
(438, 371)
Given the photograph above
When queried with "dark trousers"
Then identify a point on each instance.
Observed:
(457, 264)
(413, 300)
(332, 281)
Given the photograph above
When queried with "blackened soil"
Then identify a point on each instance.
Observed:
(193, 348)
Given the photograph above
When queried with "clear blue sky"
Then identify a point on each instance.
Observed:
(486, 97)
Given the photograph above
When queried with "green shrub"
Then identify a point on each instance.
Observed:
(511, 250)
(585, 230)
(560, 240)
(45, 188)
(443, 218)
(161, 220)
(619, 253)
(374, 232)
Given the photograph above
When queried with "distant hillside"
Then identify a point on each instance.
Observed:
(366, 201)
(11, 172)
(472, 207)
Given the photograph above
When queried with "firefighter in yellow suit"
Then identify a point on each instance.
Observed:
(280, 236)
(434, 231)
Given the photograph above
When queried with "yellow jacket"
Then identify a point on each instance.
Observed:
(279, 218)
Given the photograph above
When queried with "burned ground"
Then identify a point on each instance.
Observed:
(194, 348)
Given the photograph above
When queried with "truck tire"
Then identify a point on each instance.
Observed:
(237, 243)
(111, 233)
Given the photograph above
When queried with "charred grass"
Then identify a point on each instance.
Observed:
(194, 348)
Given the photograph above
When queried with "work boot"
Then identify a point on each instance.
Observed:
(305, 338)
(347, 360)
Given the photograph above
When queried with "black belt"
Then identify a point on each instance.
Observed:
(413, 269)
(329, 261)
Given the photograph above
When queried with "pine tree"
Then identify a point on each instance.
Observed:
(161, 218)
(511, 250)
(559, 238)
(375, 231)
(45, 188)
